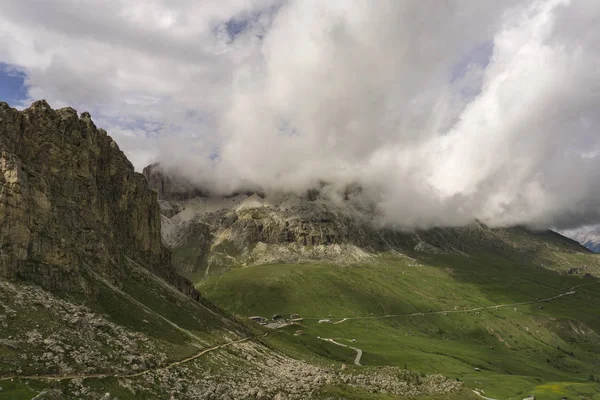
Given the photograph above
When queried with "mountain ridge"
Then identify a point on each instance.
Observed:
(210, 233)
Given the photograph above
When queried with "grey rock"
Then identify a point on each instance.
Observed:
(11, 344)
(71, 200)
(169, 184)
(49, 394)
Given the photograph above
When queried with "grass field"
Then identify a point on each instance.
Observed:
(548, 349)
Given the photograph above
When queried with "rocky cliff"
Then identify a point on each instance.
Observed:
(71, 203)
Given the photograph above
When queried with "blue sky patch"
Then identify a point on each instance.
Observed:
(12, 84)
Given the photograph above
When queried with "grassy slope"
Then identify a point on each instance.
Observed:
(142, 304)
(122, 306)
(550, 351)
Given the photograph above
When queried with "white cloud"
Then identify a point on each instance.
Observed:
(398, 96)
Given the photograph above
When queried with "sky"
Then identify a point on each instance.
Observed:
(12, 84)
(443, 111)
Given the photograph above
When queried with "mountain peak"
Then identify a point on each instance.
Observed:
(71, 202)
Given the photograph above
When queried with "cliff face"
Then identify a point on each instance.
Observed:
(70, 202)
(168, 188)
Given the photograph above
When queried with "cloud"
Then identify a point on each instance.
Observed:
(442, 111)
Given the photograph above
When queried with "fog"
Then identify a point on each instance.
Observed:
(442, 111)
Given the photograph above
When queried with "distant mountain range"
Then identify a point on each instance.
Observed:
(589, 236)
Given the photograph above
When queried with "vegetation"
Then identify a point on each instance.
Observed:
(544, 348)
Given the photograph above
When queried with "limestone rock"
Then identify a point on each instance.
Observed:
(71, 203)
(210, 234)
(10, 344)
(166, 187)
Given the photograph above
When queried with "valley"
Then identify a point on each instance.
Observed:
(508, 312)
(510, 338)
(92, 305)
(299, 200)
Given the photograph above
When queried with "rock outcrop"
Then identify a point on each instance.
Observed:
(209, 234)
(166, 187)
(71, 203)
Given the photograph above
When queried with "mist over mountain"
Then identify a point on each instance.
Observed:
(299, 199)
(99, 249)
(441, 113)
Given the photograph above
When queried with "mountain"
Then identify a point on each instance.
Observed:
(71, 203)
(91, 304)
(209, 234)
(508, 311)
(589, 236)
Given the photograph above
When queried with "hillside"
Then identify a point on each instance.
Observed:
(509, 311)
(91, 306)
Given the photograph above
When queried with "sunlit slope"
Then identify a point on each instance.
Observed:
(516, 346)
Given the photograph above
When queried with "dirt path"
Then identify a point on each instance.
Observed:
(56, 377)
(570, 292)
(358, 351)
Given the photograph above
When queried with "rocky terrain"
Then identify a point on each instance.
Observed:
(74, 340)
(91, 306)
(210, 234)
(79, 346)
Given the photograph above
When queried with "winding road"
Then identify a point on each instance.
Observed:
(358, 351)
(570, 292)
